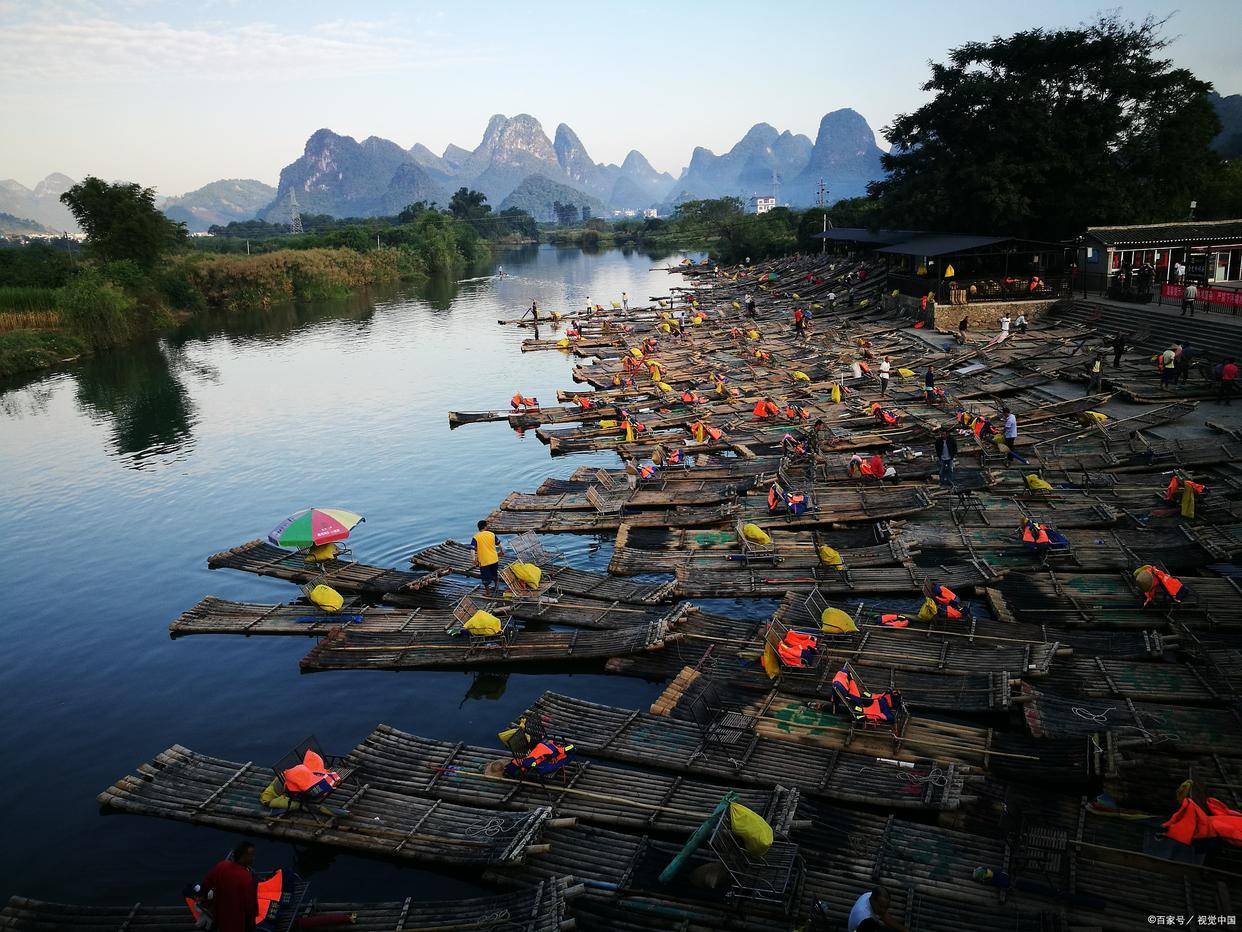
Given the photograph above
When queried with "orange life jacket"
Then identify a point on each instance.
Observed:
(647, 471)
(1035, 533)
(874, 707)
(1172, 488)
(521, 401)
(794, 647)
(894, 621)
(585, 403)
(765, 409)
(883, 414)
(269, 891)
(776, 498)
(1190, 823)
(1171, 585)
(310, 776)
(701, 432)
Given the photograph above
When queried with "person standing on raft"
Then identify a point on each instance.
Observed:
(487, 554)
(232, 891)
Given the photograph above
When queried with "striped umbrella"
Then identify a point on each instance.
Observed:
(314, 526)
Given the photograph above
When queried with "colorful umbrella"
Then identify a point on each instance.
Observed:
(314, 526)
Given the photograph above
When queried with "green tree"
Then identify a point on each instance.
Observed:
(121, 221)
(1045, 132)
(468, 204)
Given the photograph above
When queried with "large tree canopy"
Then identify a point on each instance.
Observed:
(121, 221)
(1044, 133)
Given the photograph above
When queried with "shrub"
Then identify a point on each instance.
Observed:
(97, 310)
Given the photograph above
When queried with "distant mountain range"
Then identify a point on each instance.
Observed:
(42, 204)
(1229, 109)
(219, 203)
(516, 165)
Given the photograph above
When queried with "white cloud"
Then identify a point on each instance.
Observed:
(80, 44)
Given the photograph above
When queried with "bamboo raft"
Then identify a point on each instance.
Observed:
(184, 786)
(593, 792)
(662, 550)
(582, 522)
(743, 579)
(539, 907)
(738, 686)
(639, 738)
(348, 649)
(1161, 727)
(458, 558)
(347, 576)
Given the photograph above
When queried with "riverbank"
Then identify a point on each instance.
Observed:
(92, 312)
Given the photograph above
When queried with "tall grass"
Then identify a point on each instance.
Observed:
(29, 320)
(28, 298)
(234, 282)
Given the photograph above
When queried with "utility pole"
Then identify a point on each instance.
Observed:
(821, 201)
(776, 187)
(295, 218)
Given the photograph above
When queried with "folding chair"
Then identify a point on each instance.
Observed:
(528, 548)
(521, 591)
(732, 732)
(464, 610)
(798, 649)
(753, 551)
(309, 777)
(773, 878)
(870, 711)
(607, 502)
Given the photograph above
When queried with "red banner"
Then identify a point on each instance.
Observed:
(1223, 296)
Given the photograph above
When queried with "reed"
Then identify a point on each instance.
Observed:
(29, 320)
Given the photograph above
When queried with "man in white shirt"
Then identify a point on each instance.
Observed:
(885, 370)
(1004, 325)
(870, 913)
(1188, 299)
(1010, 433)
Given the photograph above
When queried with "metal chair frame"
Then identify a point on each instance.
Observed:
(501, 640)
(753, 551)
(307, 804)
(772, 878)
(897, 726)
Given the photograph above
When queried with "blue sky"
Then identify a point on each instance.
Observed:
(178, 94)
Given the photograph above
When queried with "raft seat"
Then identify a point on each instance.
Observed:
(856, 702)
(312, 802)
(730, 731)
(773, 878)
(502, 640)
(528, 548)
(753, 551)
(778, 634)
(521, 591)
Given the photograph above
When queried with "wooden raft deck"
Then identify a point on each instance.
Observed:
(594, 792)
(184, 786)
(263, 559)
(539, 907)
(635, 737)
(457, 557)
(348, 649)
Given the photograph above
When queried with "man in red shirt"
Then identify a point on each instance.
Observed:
(1228, 376)
(231, 893)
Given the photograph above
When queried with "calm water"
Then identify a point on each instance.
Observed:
(121, 475)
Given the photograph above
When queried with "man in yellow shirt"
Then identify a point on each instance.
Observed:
(487, 554)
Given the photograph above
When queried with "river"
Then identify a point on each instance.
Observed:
(123, 473)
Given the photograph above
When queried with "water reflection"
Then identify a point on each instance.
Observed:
(144, 402)
(486, 687)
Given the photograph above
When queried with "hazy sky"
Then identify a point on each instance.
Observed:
(176, 94)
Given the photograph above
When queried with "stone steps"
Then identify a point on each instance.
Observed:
(1214, 339)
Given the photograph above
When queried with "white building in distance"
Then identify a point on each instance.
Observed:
(762, 203)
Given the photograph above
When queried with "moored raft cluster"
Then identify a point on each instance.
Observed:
(991, 662)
